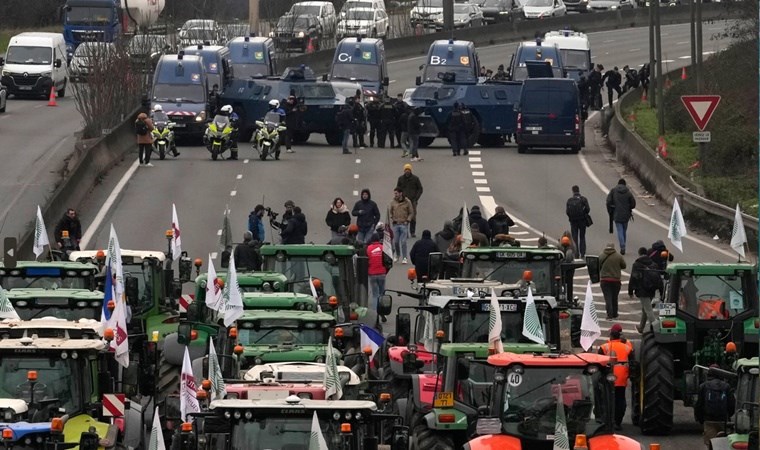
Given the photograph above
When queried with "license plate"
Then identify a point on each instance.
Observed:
(25, 88)
(534, 132)
(533, 128)
(443, 400)
(667, 309)
(506, 307)
(179, 125)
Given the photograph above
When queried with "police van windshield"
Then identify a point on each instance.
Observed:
(21, 54)
(192, 93)
(250, 70)
(356, 72)
(578, 59)
(540, 3)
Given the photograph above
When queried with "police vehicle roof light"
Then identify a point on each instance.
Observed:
(247, 39)
(451, 41)
(180, 54)
(359, 38)
(538, 41)
(200, 46)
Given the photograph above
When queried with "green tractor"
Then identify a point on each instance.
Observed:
(53, 372)
(248, 282)
(708, 316)
(48, 275)
(743, 429)
(68, 304)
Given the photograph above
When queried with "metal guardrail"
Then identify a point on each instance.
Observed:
(711, 207)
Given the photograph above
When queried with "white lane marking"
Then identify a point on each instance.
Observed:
(475, 159)
(480, 181)
(358, 161)
(239, 176)
(356, 176)
(219, 232)
(233, 193)
(634, 50)
(682, 42)
(482, 189)
(608, 41)
(245, 161)
(95, 225)
(667, 61)
(594, 179)
(708, 52)
(355, 193)
(476, 166)
(478, 174)
(520, 233)
(685, 57)
(391, 81)
(475, 152)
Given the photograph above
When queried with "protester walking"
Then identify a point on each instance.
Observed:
(611, 265)
(624, 351)
(444, 237)
(143, 129)
(345, 123)
(620, 205)
(377, 270)
(413, 129)
(411, 186)
(614, 80)
(570, 252)
(419, 254)
(645, 281)
(715, 406)
(500, 222)
(578, 210)
(337, 215)
(367, 215)
(476, 217)
(401, 214)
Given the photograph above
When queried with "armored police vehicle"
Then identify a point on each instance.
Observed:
(450, 76)
(180, 86)
(318, 102)
(252, 57)
(362, 60)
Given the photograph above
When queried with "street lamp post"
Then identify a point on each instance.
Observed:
(660, 79)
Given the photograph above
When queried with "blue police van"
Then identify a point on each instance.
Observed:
(535, 51)
(549, 113)
(216, 63)
(362, 60)
(252, 57)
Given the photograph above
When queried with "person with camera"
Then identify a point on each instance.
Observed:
(296, 230)
(256, 224)
(286, 217)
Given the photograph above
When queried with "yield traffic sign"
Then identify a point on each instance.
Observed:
(700, 108)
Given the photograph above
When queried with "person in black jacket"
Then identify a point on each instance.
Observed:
(715, 406)
(614, 80)
(345, 122)
(387, 124)
(620, 205)
(456, 129)
(577, 208)
(500, 222)
(247, 254)
(645, 290)
(477, 217)
(293, 118)
(367, 215)
(70, 223)
(595, 87)
(411, 186)
(413, 130)
(419, 255)
(373, 118)
(337, 216)
(401, 116)
(295, 232)
(360, 123)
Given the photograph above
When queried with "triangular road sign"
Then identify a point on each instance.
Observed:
(700, 108)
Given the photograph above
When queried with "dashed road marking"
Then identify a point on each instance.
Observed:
(482, 188)
(239, 176)
(245, 161)
(219, 232)
(474, 159)
(480, 181)
(478, 174)
(685, 57)
(476, 166)
(233, 193)
(213, 255)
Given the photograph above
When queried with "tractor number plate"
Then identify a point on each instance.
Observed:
(444, 400)
(507, 307)
(667, 309)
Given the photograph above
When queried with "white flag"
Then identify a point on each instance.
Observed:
(314, 293)
(156, 434)
(40, 234)
(6, 307)
(494, 325)
(677, 226)
(466, 229)
(317, 441)
(213, 292)
(590, 330)
(531, 323)
(738, 235)
(118, 323)
(176, 244)
(561, 441)
(188, 402)
(233, 300)
(333, 388)
(113, 258)
(218, 388)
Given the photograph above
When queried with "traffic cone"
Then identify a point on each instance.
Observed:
(683, 73)
(643, 95)
(310, 46)
(52, 102)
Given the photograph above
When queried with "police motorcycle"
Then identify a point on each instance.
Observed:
(267, 138)
(219, 134)
(163, 135)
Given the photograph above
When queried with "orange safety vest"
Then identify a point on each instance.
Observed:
(622, 350)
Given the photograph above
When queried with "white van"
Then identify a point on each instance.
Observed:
(34, 63)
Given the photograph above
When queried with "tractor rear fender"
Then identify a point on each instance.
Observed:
(423, 389)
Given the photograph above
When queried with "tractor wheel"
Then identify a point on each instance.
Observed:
(168, 379)
(423, 438)
(425, 141)
(657, 387)
(635, 397)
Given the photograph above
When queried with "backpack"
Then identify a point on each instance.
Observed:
(575, 210)
(650, 279)
(716, 401)
(141, 128)
(387, 262)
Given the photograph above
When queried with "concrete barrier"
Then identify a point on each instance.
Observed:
(522, 30)
(81, 173)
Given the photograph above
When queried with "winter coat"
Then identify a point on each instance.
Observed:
(345, 118)
(575, 216)
(621, 201)
(419, 256)
(611, 264)
(444, 237)
(402, 211)
(479, 239)
(656, 254)
(456, 122)
(375, 259)
(145, 138)
(293, 115)
(483, 227)
(336, 218)
(411, 186)
(247, 256)
(360, 118)
(613, 78)
(413, 126)
(641, 264)
(295, 232)
(366, 212)
(256, 227)
(499, 223)
(73, 226)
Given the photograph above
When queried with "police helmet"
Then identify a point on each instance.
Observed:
(274, 103)
(158, 108)
(227, 109)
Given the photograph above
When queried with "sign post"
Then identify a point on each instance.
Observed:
(701, 109)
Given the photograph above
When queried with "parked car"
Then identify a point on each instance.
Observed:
(351, 4)
(145, 50)
(198, 31)
(539, 9)
(428, 13)
(90, 57)
(609, 5)
(501, 10)
(295, 32)
(467, 15)
(323, 11)
(363, 22)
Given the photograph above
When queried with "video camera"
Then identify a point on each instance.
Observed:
(271, 214)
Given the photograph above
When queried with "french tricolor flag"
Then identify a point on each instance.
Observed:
(105, 313)
(370, 338)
